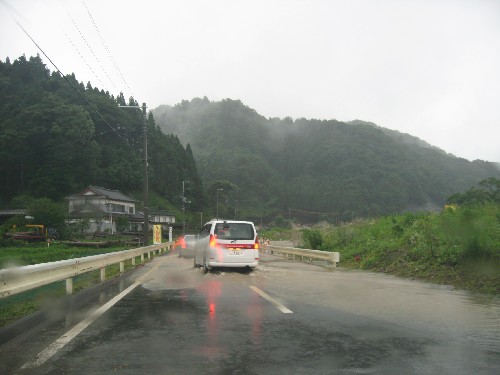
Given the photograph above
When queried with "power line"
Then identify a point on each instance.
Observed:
(90, 48)
(84, 60)
(68, 81)
(312, 212)
(70, 40)
(113, 61)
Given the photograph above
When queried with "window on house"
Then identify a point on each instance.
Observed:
(118, 207)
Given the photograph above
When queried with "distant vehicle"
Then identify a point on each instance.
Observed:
(227, 243)
(186, 244)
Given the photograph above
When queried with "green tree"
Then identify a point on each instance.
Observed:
(353, 169)
(122, 223)
(488, 191)
(52, 143)
(312, 238)
(45, 211)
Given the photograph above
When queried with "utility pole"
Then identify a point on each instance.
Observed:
(145, 174)
(145, 171)
(184, 201)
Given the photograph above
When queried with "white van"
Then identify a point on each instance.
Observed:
(227, 243)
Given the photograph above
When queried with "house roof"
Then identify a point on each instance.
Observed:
(137, 217)
(110, 194)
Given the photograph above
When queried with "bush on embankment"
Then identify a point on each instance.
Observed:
(459, 246)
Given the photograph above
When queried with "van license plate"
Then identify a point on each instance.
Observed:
(235, 252)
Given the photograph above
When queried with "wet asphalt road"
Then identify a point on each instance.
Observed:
(283, 318)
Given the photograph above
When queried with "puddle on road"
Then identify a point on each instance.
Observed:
(422, 306)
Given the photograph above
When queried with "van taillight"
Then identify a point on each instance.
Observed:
(213, 241)
(256, 244)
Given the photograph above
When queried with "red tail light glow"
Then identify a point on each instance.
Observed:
(211, 308)
(213, 241)
(181, 242)
(256, 245)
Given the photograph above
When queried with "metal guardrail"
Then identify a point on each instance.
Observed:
(330, 257)
(20, 279)
(283, 243)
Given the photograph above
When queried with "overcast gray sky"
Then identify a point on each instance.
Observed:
(430, 68)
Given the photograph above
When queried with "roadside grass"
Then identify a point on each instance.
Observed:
(38, 252)
(20, 305)
(459, 246)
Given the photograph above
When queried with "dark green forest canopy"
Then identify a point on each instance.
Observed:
(345, 169)
(53, 144)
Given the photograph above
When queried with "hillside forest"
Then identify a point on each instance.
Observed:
(54, 143)
(313, 170)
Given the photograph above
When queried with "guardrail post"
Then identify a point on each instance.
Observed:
(142, 257)
(103, 274)
(133, 261)
(149, 254)
(122, 267)
(334, 258)
(69, 285)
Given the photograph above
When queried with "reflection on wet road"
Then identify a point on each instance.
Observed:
(182, 321)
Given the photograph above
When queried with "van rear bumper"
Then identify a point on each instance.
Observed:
(212, 264)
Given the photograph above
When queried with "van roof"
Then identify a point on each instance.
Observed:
(229, 221)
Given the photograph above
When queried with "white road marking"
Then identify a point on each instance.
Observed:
(48, 352)
(53, 348)
(266, 296)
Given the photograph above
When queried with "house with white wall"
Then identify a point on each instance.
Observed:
(101, 207)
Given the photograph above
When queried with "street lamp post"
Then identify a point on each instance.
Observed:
(218, 202)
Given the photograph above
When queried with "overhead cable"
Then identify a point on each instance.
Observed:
(312, 212)
(91, 50)
(105, 46)
(84, 60)
(68, 81)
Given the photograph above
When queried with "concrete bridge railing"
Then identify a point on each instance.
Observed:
(19, 279)
(331, 257)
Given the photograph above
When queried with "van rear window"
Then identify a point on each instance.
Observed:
(234, 231)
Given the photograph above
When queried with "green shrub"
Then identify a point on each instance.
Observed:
(122, 223)
(312, 238)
